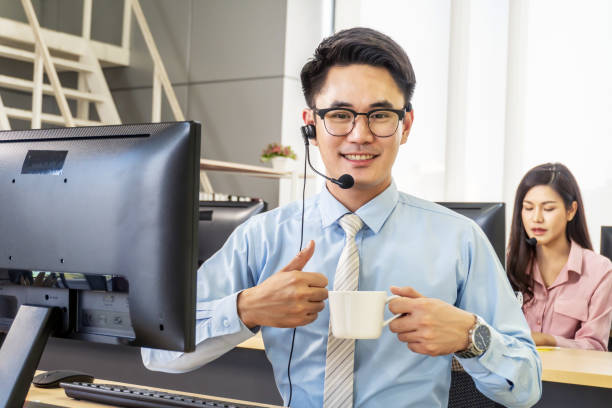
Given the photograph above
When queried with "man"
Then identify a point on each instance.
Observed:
(454, 296)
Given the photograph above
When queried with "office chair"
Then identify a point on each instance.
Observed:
(463, 392)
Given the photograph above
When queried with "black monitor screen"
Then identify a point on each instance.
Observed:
(102, 222)
(606, 242)
(491, 218)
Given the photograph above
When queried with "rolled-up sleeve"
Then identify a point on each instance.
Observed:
(218, 330)
(506, 373)
(510, 371)
(218, 326)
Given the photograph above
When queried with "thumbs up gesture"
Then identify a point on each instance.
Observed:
(289, 298)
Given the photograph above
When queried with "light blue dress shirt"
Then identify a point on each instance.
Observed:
(405, 241)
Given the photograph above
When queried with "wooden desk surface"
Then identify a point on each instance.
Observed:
(570, 366)
(255, 343)
(57, 396)
(581, 367)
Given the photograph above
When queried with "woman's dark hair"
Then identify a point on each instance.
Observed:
(357, 46)
(520, 255)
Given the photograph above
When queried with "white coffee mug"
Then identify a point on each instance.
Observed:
(358, 314)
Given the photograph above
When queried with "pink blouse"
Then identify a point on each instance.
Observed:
(577, 307)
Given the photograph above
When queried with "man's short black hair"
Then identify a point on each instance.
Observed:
(357, 46)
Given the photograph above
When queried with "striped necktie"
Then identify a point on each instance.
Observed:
(339, 364)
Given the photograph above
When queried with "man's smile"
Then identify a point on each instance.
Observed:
(362, 157)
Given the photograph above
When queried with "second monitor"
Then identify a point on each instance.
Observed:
(491, 218)
(606, 242)
(218, 219)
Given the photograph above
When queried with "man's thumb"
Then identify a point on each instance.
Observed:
(301, 259)
(405, 291)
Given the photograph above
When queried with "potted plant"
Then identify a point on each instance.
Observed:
(280, 156)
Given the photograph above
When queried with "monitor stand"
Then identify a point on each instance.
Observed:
(22, 349)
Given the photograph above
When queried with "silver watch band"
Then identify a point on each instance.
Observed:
(471, 351)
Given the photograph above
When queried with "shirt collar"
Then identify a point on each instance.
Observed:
(574, 264)
(574, 261)
(374, 213)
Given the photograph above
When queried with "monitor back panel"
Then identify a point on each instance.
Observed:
(109, 200)
(218, 219)
(490, 217)
(606, 242)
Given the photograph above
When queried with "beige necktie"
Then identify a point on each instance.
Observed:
(339, 364)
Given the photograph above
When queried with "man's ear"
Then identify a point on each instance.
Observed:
(308, 118)
(407, 125)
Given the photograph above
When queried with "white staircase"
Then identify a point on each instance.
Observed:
(51, 52)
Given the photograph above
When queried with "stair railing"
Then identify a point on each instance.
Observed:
(42, 52)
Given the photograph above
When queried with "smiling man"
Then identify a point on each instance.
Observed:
(452, 291)
(366, 148)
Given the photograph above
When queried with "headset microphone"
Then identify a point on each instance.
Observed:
(531, 241)
(345, 181)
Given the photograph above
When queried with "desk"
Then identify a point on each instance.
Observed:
(57, 396)
(254, 343)
(246, 373)
(568, 366)
(579, 367)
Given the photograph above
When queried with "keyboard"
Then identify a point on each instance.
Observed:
(227, 197)
(123, 396)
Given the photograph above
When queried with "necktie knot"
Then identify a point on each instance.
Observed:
(351, 224)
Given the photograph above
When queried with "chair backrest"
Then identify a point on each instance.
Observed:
(463, 393)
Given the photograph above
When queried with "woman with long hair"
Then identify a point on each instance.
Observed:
(566, 287)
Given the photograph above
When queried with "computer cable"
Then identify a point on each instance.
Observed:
(301, 243)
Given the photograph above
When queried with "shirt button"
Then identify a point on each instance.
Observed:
(539, 322)
(226, 323)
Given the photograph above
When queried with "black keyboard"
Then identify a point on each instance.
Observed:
(220, 197)
(122, 396)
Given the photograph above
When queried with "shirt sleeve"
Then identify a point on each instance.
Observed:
(510, 371)
(218, 330)
(218, 326)
(595, 332)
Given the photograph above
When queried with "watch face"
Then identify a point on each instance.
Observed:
(482, 338)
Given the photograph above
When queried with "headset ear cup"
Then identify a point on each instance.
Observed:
(309, 131)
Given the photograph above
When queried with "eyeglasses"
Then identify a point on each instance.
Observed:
(341, 121)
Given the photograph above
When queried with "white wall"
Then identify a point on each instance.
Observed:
(422, 29)
(568, 104)
(307, 24)
(501, 87)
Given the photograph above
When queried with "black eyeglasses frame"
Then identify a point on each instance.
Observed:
(401, 113)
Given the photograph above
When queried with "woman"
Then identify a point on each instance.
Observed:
(566, 287)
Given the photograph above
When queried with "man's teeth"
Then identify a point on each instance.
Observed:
(359, 156)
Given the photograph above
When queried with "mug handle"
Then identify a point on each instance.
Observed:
(389, 320)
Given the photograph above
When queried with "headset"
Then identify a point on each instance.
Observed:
(345, 181)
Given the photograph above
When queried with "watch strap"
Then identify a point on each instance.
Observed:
(471, 351)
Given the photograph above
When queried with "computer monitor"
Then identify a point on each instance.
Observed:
(491, 218)
(606, 242)
(118, 202)
(217, 221)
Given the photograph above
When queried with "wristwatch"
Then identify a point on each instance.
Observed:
(479, 339)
